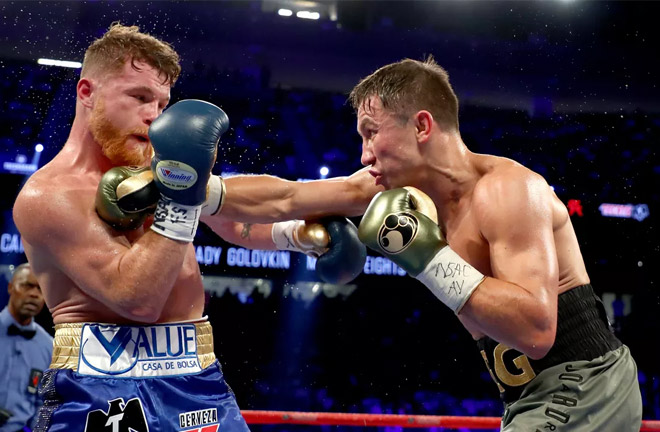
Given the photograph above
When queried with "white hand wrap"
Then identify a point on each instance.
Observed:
(283, 237)
(215, 196)
(176, 221)
(299, 236)
(450, 278)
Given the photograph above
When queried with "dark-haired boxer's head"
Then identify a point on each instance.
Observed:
(407, 87)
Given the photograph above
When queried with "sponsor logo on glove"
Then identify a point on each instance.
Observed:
(397, 231)
(176, 175)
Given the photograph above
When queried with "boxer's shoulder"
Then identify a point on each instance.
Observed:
(503, 179)
(55, 179)
(47, 201)
(507, 191)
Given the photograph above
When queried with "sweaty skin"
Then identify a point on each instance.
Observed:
(499, 216)
(514, 229)
(87, 270)
(90, 272)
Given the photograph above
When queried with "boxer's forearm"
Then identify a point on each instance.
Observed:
(512, 315)
(252, 236)
(140, 283)
(265, 199)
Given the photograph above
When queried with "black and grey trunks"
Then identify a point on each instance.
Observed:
(587, 379)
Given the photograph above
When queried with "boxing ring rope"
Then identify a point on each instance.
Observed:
(403, 420)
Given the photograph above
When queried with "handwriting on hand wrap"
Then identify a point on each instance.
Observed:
(457, 272)
(171, 214)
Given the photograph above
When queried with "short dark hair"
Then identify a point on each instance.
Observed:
(408, 86)
(126, 43)
(19, 268)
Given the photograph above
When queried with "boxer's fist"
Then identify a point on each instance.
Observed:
(185, 139)
(402, 225)
(126, 196)
(333, 241)
(346, 255)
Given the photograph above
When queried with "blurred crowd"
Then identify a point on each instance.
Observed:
(389, 347)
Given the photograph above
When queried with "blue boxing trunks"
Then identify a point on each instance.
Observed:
(118, 378)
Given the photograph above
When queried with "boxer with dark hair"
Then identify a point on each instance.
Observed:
(492, 241)
(489, 238)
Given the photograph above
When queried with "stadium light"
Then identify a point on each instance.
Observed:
(308, 15)
(60, 63)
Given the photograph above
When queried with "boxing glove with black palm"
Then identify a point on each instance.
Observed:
(333, 241)
(402, 225)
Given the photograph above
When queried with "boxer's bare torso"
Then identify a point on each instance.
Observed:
(87, 270)
(467, 229)
(72, 191)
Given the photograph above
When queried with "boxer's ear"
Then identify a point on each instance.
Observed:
(423, 125)
(84, 91)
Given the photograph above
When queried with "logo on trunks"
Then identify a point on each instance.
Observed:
(397, 232)
(121, 417)
(150, 351)
(192, 420)
(176, 175)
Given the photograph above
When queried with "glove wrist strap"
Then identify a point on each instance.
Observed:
(215, 196)
(176, 221)
(450, 278)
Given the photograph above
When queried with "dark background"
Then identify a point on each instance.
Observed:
(567, 88)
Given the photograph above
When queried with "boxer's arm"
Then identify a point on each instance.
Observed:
(266, 199)
(133, 280)
(333, 241)
(518, 305)
(249, 235)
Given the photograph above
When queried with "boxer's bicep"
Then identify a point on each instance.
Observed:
(521, 239)
(361, 188)
(517, 304)
(73, 239)
(130, 278)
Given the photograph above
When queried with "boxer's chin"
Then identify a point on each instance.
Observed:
(120, 147)
(125, 150)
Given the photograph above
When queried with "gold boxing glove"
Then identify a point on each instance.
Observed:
(310, 238)
(126, 196)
